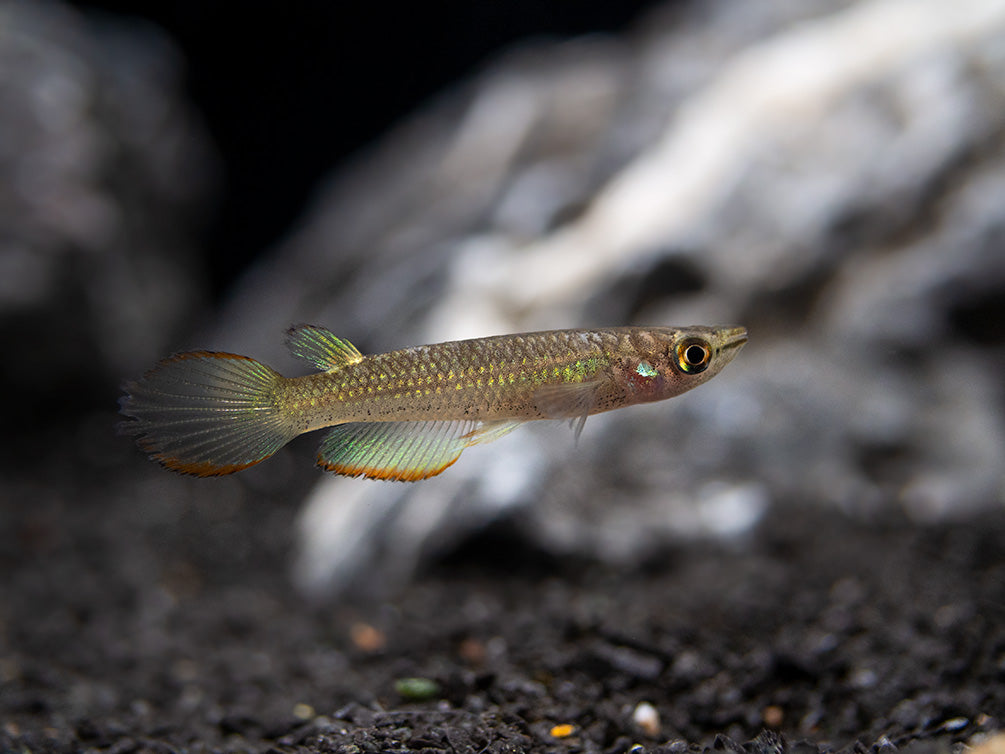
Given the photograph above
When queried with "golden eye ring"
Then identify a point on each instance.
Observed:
(693, 355)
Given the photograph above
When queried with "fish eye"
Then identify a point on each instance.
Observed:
(693, 355)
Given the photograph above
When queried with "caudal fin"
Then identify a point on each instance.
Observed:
(206, 413)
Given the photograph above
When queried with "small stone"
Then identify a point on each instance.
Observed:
(367, 637)
(647, 719)
(473, 651)
(773, 715)
(416, 689)
(955, 723)
(564, 730)
(993, 745)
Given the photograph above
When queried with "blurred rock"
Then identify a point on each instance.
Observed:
(831, 175)
(104, 176)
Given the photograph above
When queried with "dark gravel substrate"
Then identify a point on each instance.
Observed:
(142, 617)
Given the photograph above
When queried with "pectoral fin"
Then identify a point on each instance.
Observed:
(570, 400)
(490, 431)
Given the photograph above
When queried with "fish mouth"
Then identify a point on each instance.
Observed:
(733, 337)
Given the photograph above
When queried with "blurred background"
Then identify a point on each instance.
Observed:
(829, 174)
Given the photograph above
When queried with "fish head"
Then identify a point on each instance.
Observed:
(667, 361)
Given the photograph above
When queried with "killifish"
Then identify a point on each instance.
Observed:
(407, 414)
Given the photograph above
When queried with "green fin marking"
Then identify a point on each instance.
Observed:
(321, 348)
(403, 451)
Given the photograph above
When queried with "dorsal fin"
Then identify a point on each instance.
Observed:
(321, 348)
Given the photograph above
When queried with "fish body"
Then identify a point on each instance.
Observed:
(408, 414)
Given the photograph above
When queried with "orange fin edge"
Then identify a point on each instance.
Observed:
(384, 474)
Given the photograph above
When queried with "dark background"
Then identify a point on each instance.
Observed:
(291, 90)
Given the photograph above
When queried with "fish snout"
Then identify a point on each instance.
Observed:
(733, 337)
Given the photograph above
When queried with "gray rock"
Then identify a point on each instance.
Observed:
(829, 174)
(104, 176)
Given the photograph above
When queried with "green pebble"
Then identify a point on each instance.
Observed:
(417, 689)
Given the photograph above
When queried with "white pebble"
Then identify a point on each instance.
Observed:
(647, 719)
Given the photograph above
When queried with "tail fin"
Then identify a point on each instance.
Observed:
(206, 413)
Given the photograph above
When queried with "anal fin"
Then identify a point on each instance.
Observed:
(402, 451)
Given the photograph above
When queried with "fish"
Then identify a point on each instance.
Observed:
(407, 415)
